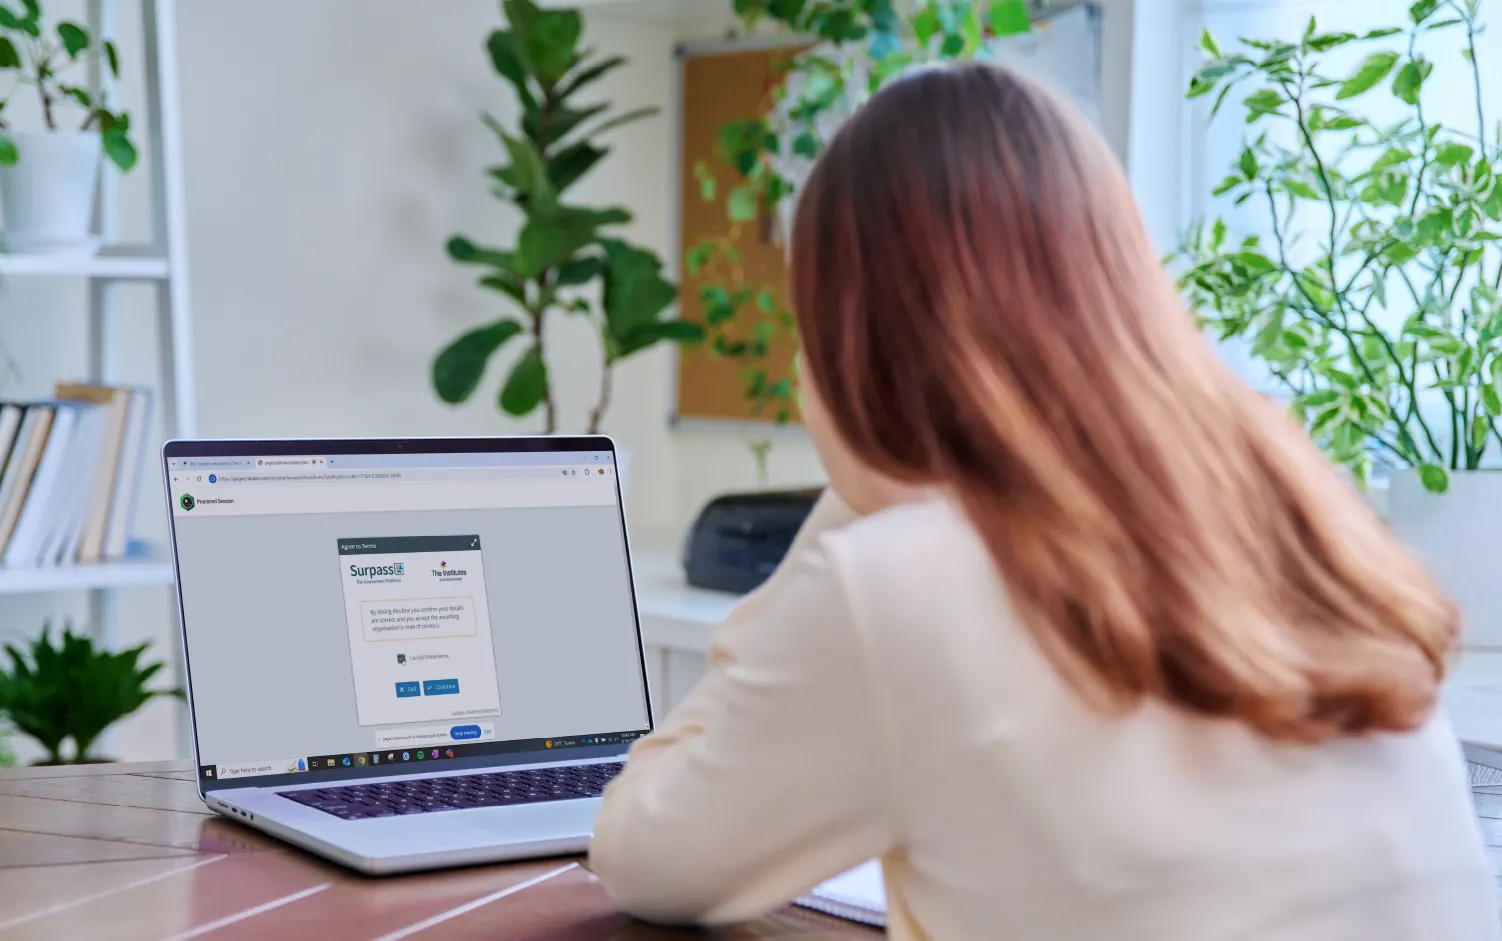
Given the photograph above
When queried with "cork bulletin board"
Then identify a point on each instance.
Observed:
(719, 84)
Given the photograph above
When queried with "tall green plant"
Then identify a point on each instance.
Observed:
(55, 693)
(41, 60)
(1374, 305)
(564, 260)
(861, 47)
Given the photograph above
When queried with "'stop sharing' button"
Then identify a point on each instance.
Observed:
(461, 732)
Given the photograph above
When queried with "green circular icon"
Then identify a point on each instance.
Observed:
(186, 501)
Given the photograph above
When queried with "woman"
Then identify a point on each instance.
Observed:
(1088, 641)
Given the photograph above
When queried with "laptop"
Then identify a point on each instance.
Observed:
(407, 653)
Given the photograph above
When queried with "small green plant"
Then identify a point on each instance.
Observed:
(72, 691)
(1375, 303)
(42, 60)
(563, 260)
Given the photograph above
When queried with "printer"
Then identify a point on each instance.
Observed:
(739, 539)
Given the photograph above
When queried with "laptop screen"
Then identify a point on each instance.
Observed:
(351, 609)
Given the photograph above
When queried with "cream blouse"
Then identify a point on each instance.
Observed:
(877, 698)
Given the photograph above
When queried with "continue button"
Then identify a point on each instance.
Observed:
(439, 687)
(461, 732)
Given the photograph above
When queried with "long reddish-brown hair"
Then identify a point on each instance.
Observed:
(981, 309)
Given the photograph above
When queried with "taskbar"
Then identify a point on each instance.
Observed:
(410, 758)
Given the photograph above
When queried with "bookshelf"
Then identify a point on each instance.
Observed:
(163, 263)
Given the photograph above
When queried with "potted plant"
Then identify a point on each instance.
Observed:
(73, 691)
(49, 178)
(765, 158)
(1373, 305)
(566, 259)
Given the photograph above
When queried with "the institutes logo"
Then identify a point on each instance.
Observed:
(444, 571)
(186, 501)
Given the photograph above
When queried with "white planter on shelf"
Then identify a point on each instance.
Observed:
(48, 194)
(1456, 535)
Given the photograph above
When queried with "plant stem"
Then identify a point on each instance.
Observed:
(549, 411)
(597, 414)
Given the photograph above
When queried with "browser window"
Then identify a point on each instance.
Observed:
(348, 612)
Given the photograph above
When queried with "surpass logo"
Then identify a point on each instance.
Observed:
(376, 571)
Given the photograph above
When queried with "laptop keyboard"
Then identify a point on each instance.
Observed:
(460, 792)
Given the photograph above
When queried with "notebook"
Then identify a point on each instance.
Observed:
(859, 895)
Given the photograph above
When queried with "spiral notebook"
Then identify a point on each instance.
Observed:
(858, 895)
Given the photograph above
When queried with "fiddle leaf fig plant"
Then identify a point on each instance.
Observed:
(72, 691)
(567, 259)
(1371, 292)
(43, 59)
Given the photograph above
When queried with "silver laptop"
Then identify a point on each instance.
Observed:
(407, 653)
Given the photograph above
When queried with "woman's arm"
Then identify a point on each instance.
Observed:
(771, 776)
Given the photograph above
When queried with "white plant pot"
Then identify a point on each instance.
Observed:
(48, 194)
(1455, 535)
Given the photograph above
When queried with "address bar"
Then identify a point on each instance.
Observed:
(405, 475)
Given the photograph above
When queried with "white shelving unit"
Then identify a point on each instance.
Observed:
(164, 263)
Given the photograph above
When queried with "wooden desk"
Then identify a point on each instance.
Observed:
(130, 852)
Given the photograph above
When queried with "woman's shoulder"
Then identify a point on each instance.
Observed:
(924, 554)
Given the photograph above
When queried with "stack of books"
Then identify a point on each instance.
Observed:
(69, 472)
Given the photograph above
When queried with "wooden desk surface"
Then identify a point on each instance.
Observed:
(130, 852)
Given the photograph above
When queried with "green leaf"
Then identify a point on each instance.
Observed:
(1491, 400)
(9, 57)
(925, 23)
(549, 39)
(1207, 43)
(1010, 18)
(741, 205)
(118, 148)
(581, 270)
(458, 369)
(1410, 79)
(527, 385)
(634, 292)
(1450, 155)
(1302, 189)
(1261, 102)
(1390, 157)
(588, 76)
(74, 37)
(528, 174)
(548, 241)
(8, 152)
(1373, 69)
(1422, 10)
(621, 120)
(112, 58)
(1382, 33)
(79, 95)
(569, 165)
(1434, 478)
(1248, 163)
(506, 58)
(30, 24)
(806, 145)
(462, 249)
(1320, 398)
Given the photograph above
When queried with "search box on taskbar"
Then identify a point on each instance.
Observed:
(460, 731)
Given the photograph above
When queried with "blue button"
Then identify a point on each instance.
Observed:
(439, 687)
(405, 689)
(461, 732)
